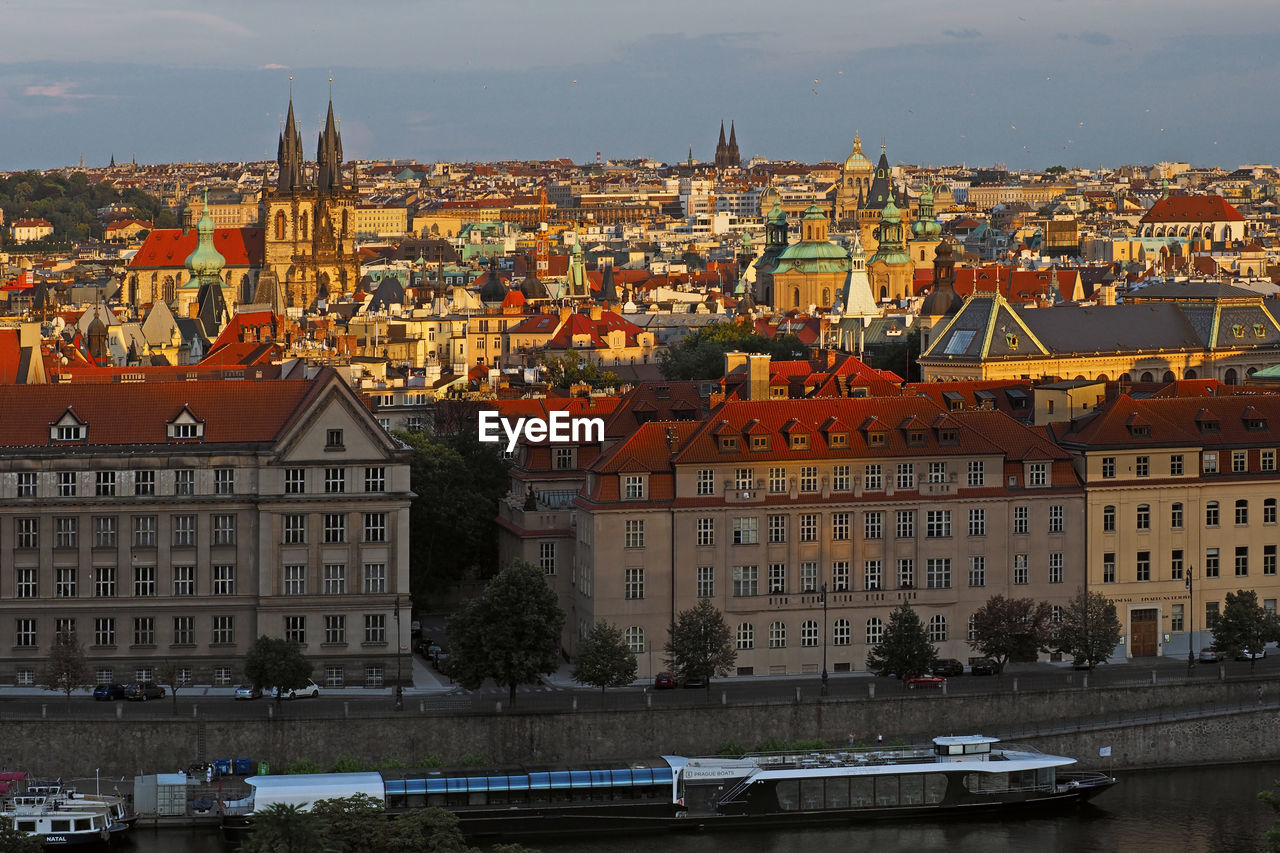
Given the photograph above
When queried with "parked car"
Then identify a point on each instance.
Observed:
(415, 628)
(440, 661)
(925, 680)
(694, 681)
(664, 681)
(310, 689)
(108, 692)
(248, 691)
(983, 666)
(950, 667)
(142, 691)
(1210, 656)
(1246, 654)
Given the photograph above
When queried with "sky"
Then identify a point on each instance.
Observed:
(1027, 84)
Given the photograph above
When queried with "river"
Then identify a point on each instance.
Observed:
(1190, 810)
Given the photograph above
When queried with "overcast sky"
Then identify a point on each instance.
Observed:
(1029, 84)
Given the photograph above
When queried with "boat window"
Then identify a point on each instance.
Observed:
(83, 824)
(477, 798)
(886, 790)
(861, 792)
(498, 783)
(601, 778)
(580, 778)
(560, 779)
(935, 788)
(838, 793)
(788, 792)
(912, 789)
(26, 826)
(60, 825)
(987, 783)
(539, 781)
(811, 794)
(1045, 777)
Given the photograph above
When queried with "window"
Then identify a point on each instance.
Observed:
(937, 523)
(977, 474)
(746, 531)
(938, 629)
(184, 580)
(937, 573)
(221, 676)
(144, 483)
(184, 531)
(65, 583)
(1242, 512)
(295, 529)
(1021, 569)
(335, 528)
(746, 636)
(547, 557)
(564, 458)
(332, 439)
(745, 581)
(25, 677)
(224, 630)
(67, 484)
(977, 570)
(104, 484)
(809, 633)
(1021, 519)
(1175, 564)
(335, 630)
(1210, 463)
(937, 472)
(809, 527)
(873, 574)
(1269, 511)
(977, 522)
(873, 480)
(1210, 612)
(777, 577)
(809, 478)
(25, 635)
(224, 529)
(375, 479)
(840, 479)
(144, 631)
(375, 527)
(27, 583)
(186, 430)
(335, 480)
(1108, 519)
(64, 532)
(840, 526)
(1143, 517)
(144, 531)
(1177, 621)
(706, 481)
(1055, 518)
(1037, 474)
(906, 573)
(295, 629)
(777, 480)
(634, 637)
(295, 481)
(28, 532)
(224, 481)
(64, 627)
(184, 482)
(633, 584)
(906, 475)
(1175, 465)
(1211, 514)
(26, 484)
(1242, 561)
(777, 635)
(1143, 566)
(295, 580)
(808, 577)
(873, 525)
(706, 581)
(144, 581)
(906, 527)
(840, 576)
(375, 628)
(1108, 467)
(875, 631)
(104, 631)
(706, 531)
(1268, 559)
(1267, 460)
(777, 528)
(104, 581)
(1175, 516)
(1211, 562)
(633, 487)
(375, 577)
(744, 479)
(1239, 461)
(224, 580)
(335, 578)
(841, 633)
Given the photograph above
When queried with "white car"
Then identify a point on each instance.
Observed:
(310, 689)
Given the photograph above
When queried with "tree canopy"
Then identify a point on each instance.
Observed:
(604, 658)
(66, 669)
(567, 370)
(1243, 624)
(1089, 630)
(906, 649)
(70, 203)
(276, 662)
(510, 633)
(700, 355)
(13, 841)
(1008, 629)
(699, 644)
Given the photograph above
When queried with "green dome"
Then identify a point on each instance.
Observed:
(813, 251)
(890, 212)
(814, 212)
(205, 260)
(777, 214)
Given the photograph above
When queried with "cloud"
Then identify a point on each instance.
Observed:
(54, 90)
(274, 66)
(205, 19)
(966, 33)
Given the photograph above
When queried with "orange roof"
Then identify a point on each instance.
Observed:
(168, 247)
(1192, 208)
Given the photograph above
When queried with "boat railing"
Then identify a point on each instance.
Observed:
(1018, 747)
(841, 758)
(1083, 779)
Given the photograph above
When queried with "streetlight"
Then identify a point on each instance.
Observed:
(1191, 624)
(824, 639)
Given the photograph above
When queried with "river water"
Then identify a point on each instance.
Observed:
(1193, 810)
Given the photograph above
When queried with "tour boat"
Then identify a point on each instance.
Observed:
(57, 827)
(59, 815)
(966, 775)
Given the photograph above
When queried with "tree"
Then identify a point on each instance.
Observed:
(699, 644)
(1008, 629)
(906, 649)
(1243, 625)
(275, 662)
(171, 674)
(510, 633)
(66, 668)
(13, 841)
(901, 356)
(700, 355)
(1272, 799)
(604, 658)
(1089, 630)
(285, 828)
(566, 370)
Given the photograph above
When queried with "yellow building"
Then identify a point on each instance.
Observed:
(803, 274)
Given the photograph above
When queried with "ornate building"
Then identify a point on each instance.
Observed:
(855, 184)
(808, 273)
(727, 156)
(890, 268)
(310, 229)
(877, 197)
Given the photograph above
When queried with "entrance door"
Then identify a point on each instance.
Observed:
(1142, 631)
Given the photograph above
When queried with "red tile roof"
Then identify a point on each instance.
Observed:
(1177, 421)
(1192, 208)
(169, 247)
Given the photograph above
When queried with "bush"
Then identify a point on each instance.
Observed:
(431, 760)
(347, 765)
(391, 764)
(731, 749)
(473, 761)
(304, 765)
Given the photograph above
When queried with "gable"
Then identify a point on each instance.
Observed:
(308, 439)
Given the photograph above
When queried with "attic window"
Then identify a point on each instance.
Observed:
(876, 439)
(1237, 330)
(68, 432)
(186, 430)
(800, 442)
(1139, 430)
(759, 443)
(728, 442)
(1210, 426)
(1011, 340)
(915, 438)
(948, 436)
(839, 439)
(1255, 424)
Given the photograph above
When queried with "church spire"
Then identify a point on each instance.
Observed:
(329, 151)
(289, 151)
(732, 154)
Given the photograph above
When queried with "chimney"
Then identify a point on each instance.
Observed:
(595, 313)
(831, 358)
(758, 376)
(565, 312)
(673, 440)
(734, 360)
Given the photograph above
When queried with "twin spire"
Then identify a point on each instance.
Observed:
(291, 158)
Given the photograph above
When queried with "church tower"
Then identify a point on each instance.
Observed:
(926, 231)
(890, 268)
(727, 156)
(855, 184)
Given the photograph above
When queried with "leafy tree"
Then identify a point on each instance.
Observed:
(13, 841)
(66, 669)
(1056, 170)
(564, 371)
(285, 828)
(1243, 624)
(699, 644)
(1008, 629)
(1272, 799)
(171, 674)
(353, 824)
(906, 649)
(700, 355)
(1089, 630)
(510, 633)
(276, 662)
(604, 659)
(900, 357)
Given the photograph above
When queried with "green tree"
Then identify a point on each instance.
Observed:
(1008, 629)
(1272, 799)
(66, 669)
(171, 674)
(353, 824)
(1243, 624)
(286, 828)
(13, 841)
(510, 633)
(699, 644)
(1089, 630)
(901, 357)
(906, 649)
(276, 662)
(567, 370)
(700, 355)
(604, 658)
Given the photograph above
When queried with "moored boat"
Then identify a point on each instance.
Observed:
(61, 815)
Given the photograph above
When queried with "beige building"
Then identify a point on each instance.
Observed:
(381, 220)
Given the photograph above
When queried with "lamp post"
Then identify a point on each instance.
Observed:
(1191, 623)
(824, 639)
(399, 691)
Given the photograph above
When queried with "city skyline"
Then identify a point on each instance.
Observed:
(1077, 84)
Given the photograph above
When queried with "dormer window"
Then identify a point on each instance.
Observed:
(1237, 330)
(73, 432)
(728, 443)
(1259, 331)
(1210, 426)
(915, 437)
(759, 443)
(839, 439)
(1139, 430)
(1011, 340)
(877, 439)
(185, 427)
(948, 436)
(800, 442)
(68, 428)
(1255, 424)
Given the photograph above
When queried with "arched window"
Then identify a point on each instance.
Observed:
(826, 297)
(302, 221)
(875, 631)
(1211, 514)
(1230, 377)
(279, 224)
(1146, 377)
(922, 254)
(1242, 512)
(841, 633)
(1168, 376)
(1144, 517)
(746, 636)
(169, 290)
(1108, 519)
(635, 639)
(778, 635)
(795, 297)
(809, 633)
(938, 629)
